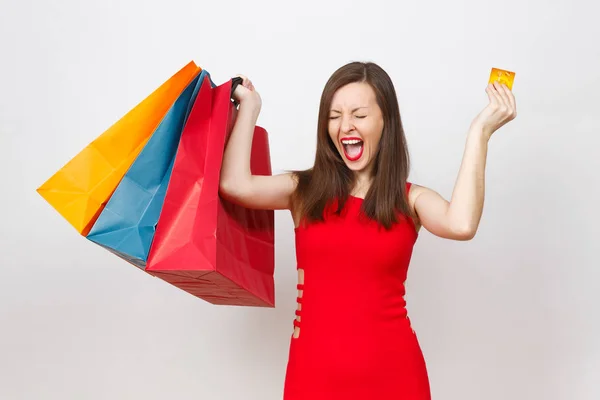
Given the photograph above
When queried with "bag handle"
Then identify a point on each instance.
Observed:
(234, 83)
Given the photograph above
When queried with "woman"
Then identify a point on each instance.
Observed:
(356, 221)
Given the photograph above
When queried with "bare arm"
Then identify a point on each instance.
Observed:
(237, 182)
(459, 218)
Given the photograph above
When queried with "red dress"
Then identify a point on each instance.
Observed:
(355, 340)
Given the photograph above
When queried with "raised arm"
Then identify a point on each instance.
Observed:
(459, 218)
(237, 182)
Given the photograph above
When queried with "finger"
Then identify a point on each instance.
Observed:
(496, 95)
(502, 91)
(511, 98)
(499, 92)
(491, 96)
(245, 80)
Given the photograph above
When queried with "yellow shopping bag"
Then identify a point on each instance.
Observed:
(80, 190)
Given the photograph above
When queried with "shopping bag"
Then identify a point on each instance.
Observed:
(215, 250)
(127, 224)
(81, 188)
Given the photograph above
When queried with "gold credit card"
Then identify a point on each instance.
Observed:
(502, 76)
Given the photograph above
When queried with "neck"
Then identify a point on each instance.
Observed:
(362, 183)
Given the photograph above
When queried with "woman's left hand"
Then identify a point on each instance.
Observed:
(501, 109)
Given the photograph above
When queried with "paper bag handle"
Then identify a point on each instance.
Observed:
(234, 83)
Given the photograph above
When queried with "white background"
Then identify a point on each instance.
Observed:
(512, 314)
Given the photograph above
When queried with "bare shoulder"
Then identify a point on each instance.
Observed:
(413, 194)
(422, 200)
(417, 190)
(414, 191)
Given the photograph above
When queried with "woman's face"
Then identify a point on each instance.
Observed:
(356, 125)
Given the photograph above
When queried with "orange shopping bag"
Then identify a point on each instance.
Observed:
(80, 190)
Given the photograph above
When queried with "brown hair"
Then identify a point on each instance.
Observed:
(330, 179)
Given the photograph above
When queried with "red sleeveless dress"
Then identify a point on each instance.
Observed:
(355, 339)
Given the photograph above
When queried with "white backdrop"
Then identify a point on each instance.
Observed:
(512, 314)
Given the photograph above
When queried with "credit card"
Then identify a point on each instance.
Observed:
(502, 76)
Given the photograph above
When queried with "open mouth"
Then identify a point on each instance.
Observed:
(353, 148)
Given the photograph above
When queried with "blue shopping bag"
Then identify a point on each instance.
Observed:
(127, 224)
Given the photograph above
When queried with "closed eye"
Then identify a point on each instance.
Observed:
(357, 116)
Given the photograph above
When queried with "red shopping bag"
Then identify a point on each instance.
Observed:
(211, 248)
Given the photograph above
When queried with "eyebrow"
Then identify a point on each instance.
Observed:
(356, 109)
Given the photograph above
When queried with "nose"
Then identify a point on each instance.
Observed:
(346, 124)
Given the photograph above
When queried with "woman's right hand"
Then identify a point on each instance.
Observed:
(246, 93)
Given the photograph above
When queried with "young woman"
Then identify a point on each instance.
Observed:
(356, 221)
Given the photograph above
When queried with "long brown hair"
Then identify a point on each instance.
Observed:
(330, 179)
